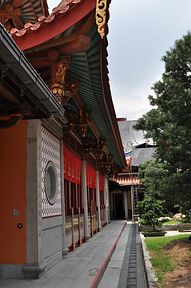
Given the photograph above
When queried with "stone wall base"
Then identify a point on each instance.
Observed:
(11, 271)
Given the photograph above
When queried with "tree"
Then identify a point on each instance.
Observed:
(169, 122)
(153, 175)
(162, 184)
(150, 209)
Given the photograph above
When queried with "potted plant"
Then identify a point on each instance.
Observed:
(150, 209)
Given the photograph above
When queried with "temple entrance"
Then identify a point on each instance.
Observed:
(118, 204)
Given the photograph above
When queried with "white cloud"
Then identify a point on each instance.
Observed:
(131, 101)
(52, 4)
(132, 104)
(140, 32)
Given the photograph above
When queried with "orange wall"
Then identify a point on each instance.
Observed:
(13, 156)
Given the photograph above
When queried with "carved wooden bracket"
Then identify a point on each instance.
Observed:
(10, 16)
(73, 88)
(82, 125)
(98, 150)
(106, 164)
(94, 147)
(72, 116)
(76, 122)
(58, 88)
(86, 149)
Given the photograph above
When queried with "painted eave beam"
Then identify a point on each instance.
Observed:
(16, 60)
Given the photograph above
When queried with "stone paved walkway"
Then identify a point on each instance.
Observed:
(84, 267)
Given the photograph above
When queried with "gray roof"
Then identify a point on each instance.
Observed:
(134, 143)
(141, 155)
(130, 136)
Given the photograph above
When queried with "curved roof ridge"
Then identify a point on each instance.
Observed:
(62, 8)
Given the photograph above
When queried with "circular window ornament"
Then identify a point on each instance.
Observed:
(51, 183)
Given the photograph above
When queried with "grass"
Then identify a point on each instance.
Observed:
(156, 243)
(160, 259)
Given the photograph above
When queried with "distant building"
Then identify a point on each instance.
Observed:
(125, 189)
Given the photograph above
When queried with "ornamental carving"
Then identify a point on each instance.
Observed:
(10, 16)
(58, 88)
(95, 147)
(73, 88)
(98, 150)
(82, 125)
(101, 7)
(61, 73)
(76, 122)
(106, 165)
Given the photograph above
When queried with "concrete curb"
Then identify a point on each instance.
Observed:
(103, 267)
(150, 274)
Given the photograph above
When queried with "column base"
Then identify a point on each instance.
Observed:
(99, 229)
(65, 252)
(86, 238)
(33, 271)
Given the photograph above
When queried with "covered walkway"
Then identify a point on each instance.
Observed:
(111, 259)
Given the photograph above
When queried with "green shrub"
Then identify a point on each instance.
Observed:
(150, 209)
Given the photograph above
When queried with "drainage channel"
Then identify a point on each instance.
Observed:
(132, 273)
(132, 269)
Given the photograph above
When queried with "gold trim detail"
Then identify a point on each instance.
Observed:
(101, 7)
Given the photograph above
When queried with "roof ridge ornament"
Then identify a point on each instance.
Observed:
(101, 7)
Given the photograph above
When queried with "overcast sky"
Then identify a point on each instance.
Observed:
(140, 32)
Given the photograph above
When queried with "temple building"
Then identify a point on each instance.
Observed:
(59, 139)
(125, 188)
